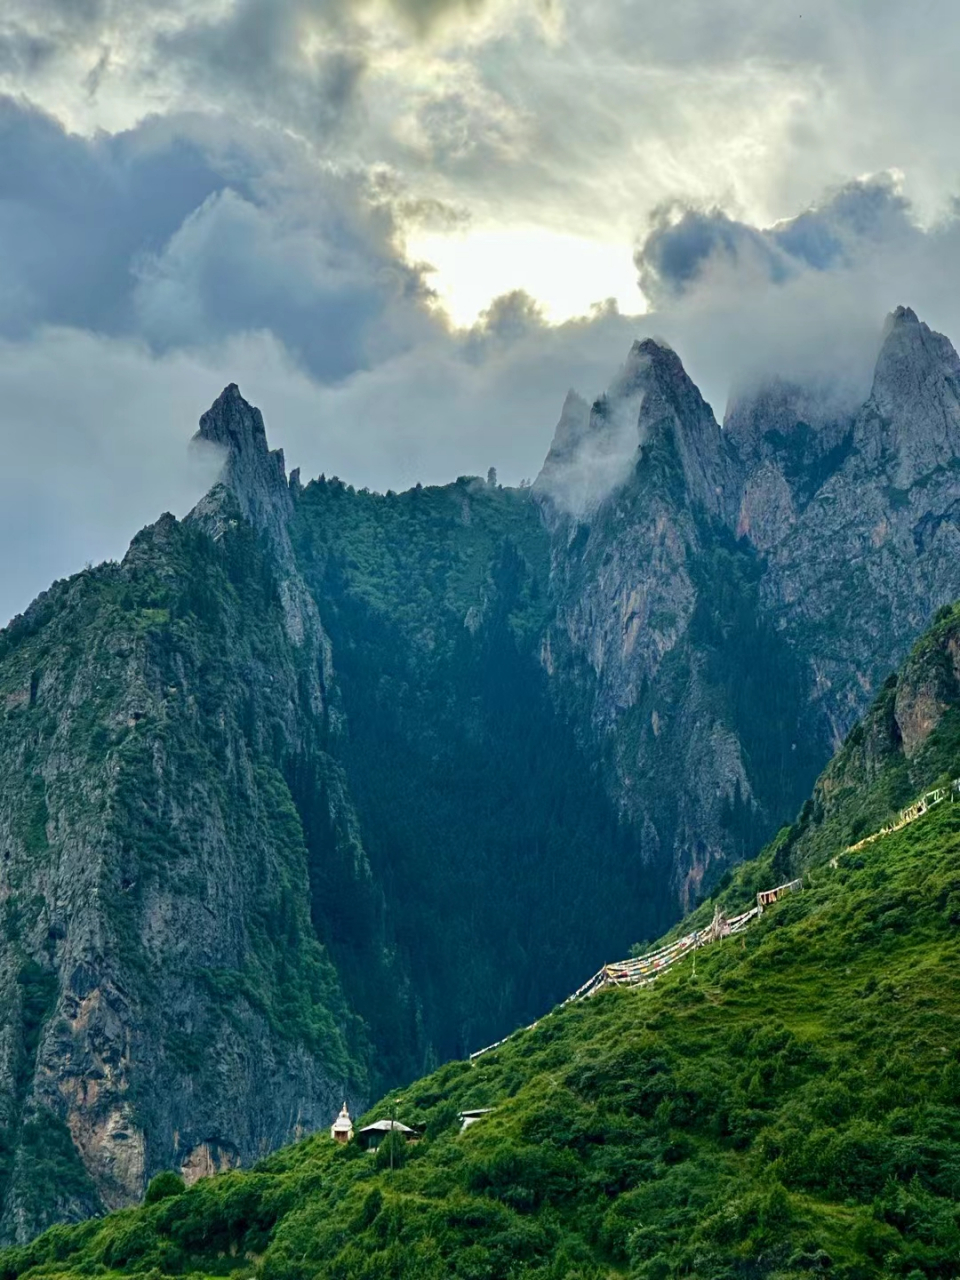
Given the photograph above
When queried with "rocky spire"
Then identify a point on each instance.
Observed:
(673, 409)
(256, 477)
(566, 482)
(911, 423)
(253, 472)
(652, 366)
(595, 450)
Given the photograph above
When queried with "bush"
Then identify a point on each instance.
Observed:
(163, 1185)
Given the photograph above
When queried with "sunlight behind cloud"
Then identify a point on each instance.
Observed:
(565, 274)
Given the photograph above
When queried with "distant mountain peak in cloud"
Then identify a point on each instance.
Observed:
(908, 424)
(651, 400)
(914, 405)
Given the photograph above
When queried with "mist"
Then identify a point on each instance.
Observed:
(804, 300)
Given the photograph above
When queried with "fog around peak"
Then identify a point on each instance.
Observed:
(804, 300)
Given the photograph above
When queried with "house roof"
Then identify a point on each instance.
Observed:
(384, 1126)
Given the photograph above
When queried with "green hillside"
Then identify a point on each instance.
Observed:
(792, 1108)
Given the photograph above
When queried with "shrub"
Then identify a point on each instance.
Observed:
(163, 1185)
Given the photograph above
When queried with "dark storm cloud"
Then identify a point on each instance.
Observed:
(336, 300)
(75, 213)
(679, 248)
(182, 242)
(683, 244)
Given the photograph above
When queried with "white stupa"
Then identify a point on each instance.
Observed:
(342, 1128)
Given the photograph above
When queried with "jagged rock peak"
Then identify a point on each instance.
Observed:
(673, 407)
(586, 459)
(653, 357)
(906, 339)
(234, 423)
(571, 427)
(900, 315)
(256, 477)
(659, 350)
(655, 371)
(595, 449)
(253, 472)
(916, 397)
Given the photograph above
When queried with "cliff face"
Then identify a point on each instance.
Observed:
(657, 647)
(858, 566)
(166, 1000)
(728, 608)
(317, 786)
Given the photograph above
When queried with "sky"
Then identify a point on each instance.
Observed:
(407, 227)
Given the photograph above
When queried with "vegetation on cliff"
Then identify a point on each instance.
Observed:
(790, 1108)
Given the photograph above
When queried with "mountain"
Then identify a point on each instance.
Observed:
(784, 1103)
(317, 788)
(859, 520)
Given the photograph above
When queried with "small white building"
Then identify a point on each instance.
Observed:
(467, 1118)
(342, 1128)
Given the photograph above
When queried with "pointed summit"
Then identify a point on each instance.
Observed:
(252, 472)
(674, 413)
(911, 423)
(652, 401)
(255, 476)
(900, 315)
(573, 427)
(233, 422)
(908, 341)
(652, 366)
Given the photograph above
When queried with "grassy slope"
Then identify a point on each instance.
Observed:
(794, 1107)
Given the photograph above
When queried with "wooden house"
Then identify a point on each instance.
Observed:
(371, 1135)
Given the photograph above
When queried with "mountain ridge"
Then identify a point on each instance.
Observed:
(376, 777)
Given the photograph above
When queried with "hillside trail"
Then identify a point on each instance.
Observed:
(642, 971)
(903, 819)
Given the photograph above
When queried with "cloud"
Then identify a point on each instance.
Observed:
(338, 300)
(593, 451)
(803, 299)
(75, 214)
(181, 235)
(685, 243)
(94, 436)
